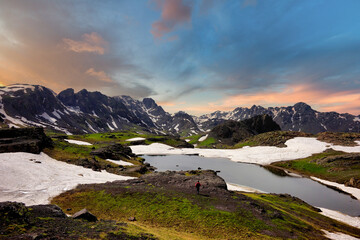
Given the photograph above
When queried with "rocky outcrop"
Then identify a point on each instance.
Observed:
(185, 180)
(114, 152)
(18, 221)
(231, 132)
(85, 215)
(261, 124)
(32, 140)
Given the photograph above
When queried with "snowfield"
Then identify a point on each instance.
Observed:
(353, 191)
(203, 138)
(299, 147)
(36, 178)
(338, 236)
(120, 162)
(135, 139)
(352, 221)
(242, 188)
(78, 142)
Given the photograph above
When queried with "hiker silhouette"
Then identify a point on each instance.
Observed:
(197, 185)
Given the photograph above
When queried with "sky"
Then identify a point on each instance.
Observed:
(197, 56)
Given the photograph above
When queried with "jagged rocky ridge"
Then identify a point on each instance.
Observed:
(300, 117)
(90, 112)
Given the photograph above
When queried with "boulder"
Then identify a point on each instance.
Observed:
(86, 215)
(13, 212)
(48, 210)
(114, 151)
(32, 140)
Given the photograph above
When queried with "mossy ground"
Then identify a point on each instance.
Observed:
(73, 153)
(122, 136)
(182, 215)
(338, 171)
(33, 226)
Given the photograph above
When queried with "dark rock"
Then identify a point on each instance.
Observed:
(48, 210)
(86, 215)
(138, 169)
(31, 140)
(138, 142)
(13, 212)
(231, 132)
(184, 144)
(262, 123)
(115, 152)
(186, 180)
(89, 163)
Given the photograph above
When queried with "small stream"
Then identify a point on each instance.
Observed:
(257, 177)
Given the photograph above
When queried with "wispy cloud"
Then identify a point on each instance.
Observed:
(92, 42)
(173, 14)
(100, 75)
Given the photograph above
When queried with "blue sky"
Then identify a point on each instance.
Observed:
(192, 55)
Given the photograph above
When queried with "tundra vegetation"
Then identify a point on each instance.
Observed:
(164, 212)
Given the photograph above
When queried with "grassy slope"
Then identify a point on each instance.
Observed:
(72, 153)
(182, 219)
(176, 215)
(309, 166)
(121, 137)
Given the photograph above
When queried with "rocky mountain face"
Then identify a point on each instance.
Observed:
(86, 112)
(24, 105)
(83, 112)
(300, 117)
(231, 132)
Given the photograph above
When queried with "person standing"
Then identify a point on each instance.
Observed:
(197, 185)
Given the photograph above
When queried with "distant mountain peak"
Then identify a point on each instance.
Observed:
(85, 112)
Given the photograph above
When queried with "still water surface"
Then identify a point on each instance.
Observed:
(259, 178)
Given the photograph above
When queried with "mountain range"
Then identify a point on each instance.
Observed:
(91, 112)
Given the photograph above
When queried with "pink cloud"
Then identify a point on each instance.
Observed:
(319, 98)
(92, 42)
(100, 75)
(173, 13)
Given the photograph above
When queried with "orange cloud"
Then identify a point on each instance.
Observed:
(319, 99)
(101, 75)
(92, 42)
(173, 13)
(324, 100)
(167, 104)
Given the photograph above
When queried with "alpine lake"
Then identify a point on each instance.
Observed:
(259, 178)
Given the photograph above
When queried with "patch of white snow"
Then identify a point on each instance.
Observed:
(47, 117)
(353, 191)
(352, 221)
(241, 188)
(77, 142)
(203, 138)
(36, 178)
(338, 236)
(120, 162)
(111, 128)
(135, 139)
(56, 114)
